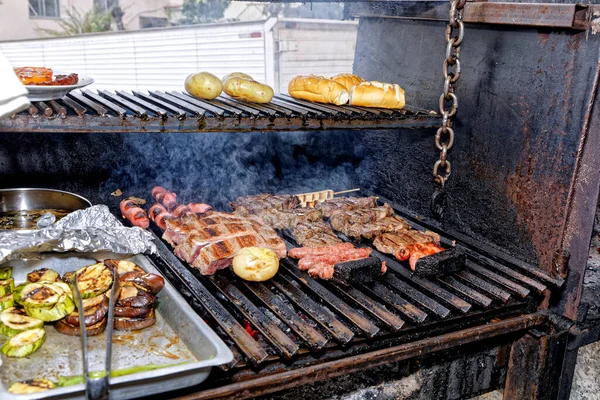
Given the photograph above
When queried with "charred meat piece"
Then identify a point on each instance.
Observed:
(408, 245)
(346, 204)
(255, 204)
(301, 252)
(315, 234)
(61, 80)
(391, 224)
(420, 250)
(323, 266)
(278, 219)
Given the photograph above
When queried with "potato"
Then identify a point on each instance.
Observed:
(248, 90)
(203, 85)
(255, 264)
(236, 75)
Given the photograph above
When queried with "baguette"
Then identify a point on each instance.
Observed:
(377, 94)
(318, 89)
(348, 80)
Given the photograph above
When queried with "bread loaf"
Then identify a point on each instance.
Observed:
(377, 94)
(348, 80)
(318, 89)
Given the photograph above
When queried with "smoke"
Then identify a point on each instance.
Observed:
(219, 167)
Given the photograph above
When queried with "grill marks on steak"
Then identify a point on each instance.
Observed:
(249, 205)
(286, 219)
(346, 204)
(315, 234)
(209, 241)
(368, 223)
(320, 262)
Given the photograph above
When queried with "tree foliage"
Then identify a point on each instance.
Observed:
(203, 11)
(305, 10)
(78, 22)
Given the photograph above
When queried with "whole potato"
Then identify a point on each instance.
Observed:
(236, 75)
(248, 90)
(203, 85)
(256, 264)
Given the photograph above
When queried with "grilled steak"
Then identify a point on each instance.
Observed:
(367, 223)
(346, 204)
(323, 266)
(392, 243)
(255, 204)
(285, 219)
(315, 234)
(301, 252)
(209, 241)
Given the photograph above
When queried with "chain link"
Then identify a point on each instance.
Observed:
(444, 137)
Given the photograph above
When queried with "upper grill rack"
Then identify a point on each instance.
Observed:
(176, 111)
(296, 314)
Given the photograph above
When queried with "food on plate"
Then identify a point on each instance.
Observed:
(24, 343)
(236, 75)
(377, 94)
(15, 320)
(94, 280)
(203, 85)
(209, 241)
(7, 302)
(123, 266)
(134, 213)
(65, 328)
(47, 301)
(6, 272)
(256, 264)
(131, 324)
(7, 286)
(31, 386)
(151, 283)
(347, 80)
(43, 275)
(318, 89)
(248, 90)
(93, 312)
(41, 76)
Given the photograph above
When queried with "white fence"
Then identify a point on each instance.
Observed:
(272, 51)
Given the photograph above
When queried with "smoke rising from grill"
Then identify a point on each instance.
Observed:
(218, 167)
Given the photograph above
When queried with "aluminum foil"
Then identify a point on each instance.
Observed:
(91, 230)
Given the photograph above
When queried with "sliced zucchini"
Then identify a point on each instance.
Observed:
(6, 286)
(40, 295)
(6, 302)
(31, 386)
(17, 293)
(68, 277)
(61, 286)
(60, 309)
(24, 343)
(43, 275)
(94, 280)
(14, 320)
(6, 272)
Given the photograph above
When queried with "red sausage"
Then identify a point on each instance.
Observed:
(155, 210)
(169, 200)
(160, 219)
(158, 189)
(199, 207)
(181, 210)
(134, 214)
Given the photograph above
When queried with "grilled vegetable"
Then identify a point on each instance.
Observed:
(6, 272)
(17, 291)
(31, 386)
(40, 294)
(92, 315)
(203, 85)
(93, 302)
(149, 282)
(73, 330)
(123, 266)
(131, 296)
(24, 343)
(14, 320)
(68, 277)
(6, 286)
(43, 275)
(94, 280)
(131, 324)
(47, 301)
(255, 264)
(63, 307)
(6, 302)
(248, 90)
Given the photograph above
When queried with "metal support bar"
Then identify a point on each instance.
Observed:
(567, 16)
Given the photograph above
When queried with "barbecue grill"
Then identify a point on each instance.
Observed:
(520, 202)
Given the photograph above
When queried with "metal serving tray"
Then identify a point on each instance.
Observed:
(179, 336)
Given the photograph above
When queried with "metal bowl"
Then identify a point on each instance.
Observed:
(38, 199)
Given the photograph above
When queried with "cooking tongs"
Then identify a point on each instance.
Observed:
(97, 386)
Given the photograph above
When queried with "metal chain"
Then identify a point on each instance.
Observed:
(444, 138)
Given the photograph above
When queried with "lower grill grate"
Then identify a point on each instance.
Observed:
(295, 314)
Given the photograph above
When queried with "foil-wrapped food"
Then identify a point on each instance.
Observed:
(93, 229)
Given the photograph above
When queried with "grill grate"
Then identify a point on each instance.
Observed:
(296, 314)
(175, 111)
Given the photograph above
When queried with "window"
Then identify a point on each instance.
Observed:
(106, 5)
(44, 8)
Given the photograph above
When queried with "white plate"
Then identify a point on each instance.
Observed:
(43, 93)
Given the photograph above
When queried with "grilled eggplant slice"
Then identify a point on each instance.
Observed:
(31, 386)
(14, 320)
(73, 330)
(94, 301)
(6, 286)
(43, 275)
(6, 272)
(132, 324)
(123, 266)
(92, 315)
(6, 302)
(149, 282)
(132, 296)
(24, 343)
(94, 280)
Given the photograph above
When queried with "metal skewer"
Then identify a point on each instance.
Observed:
(97, 388)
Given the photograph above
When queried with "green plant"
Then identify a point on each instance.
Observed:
(203, 11)
(78, 22)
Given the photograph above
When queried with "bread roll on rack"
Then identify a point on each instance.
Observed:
(318, 89)
(377, 94)
(348, 80)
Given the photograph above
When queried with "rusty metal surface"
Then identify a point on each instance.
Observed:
(158, 111)
(284, 380)
(567, 16)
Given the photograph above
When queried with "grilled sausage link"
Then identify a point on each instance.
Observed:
(134, 214)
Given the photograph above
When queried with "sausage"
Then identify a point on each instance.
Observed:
(169, 200)
(158, 189)
(134, 214)
(181, 210)
(160, 219)
(155, 210)
(199, 207)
